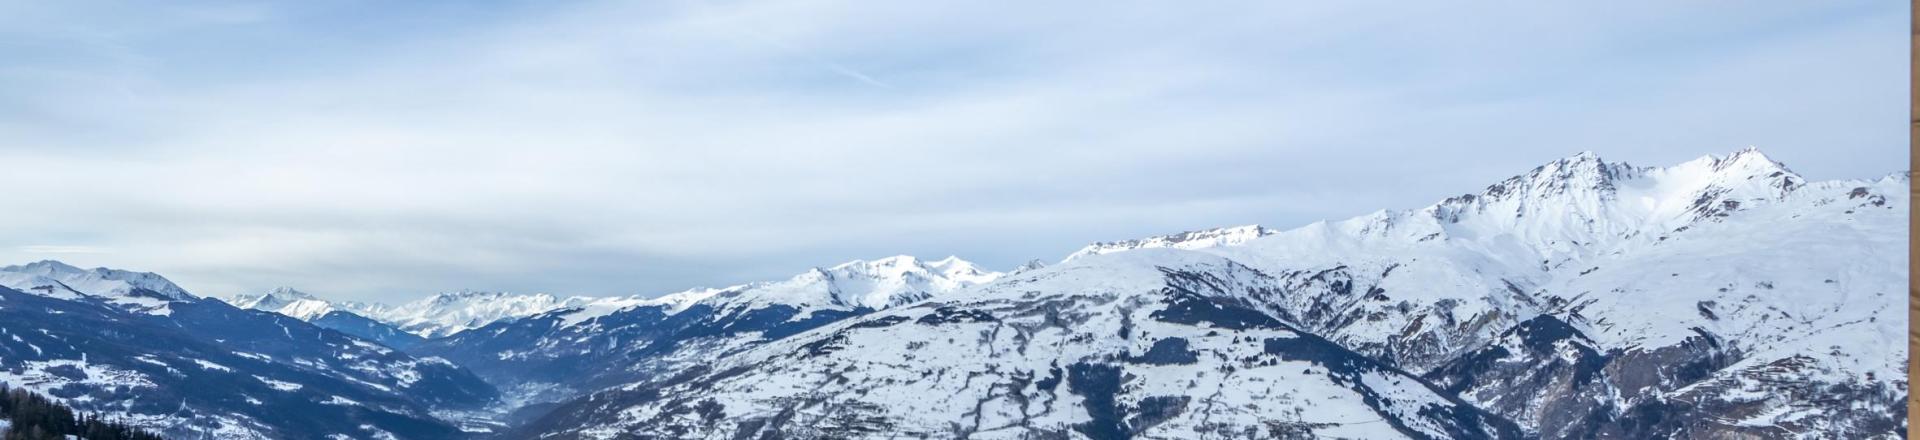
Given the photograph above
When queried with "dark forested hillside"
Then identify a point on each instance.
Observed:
(32, 417)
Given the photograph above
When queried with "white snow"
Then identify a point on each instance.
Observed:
(301, 305)
(35, 375)
(134, 291)
(279, 384)
(39, 285)
(102, 282)
(448, 313)
(1186, 240)
(206, 365)
(876, 284)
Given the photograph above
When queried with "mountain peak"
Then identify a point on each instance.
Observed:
(1030, 265)
(876, 284)
(300, 305)
(46, 266)
(1582, 159)
(1745, 174)
(900, 265)
(451, 312)
(893, 261)
(1750, 161)
(102, 281)
(1583, 172)
(288, 292)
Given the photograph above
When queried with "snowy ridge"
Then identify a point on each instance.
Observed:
(858, 284)
(875, 284)
(39, 285)
(1582, 205)
(1186, 240)
(136, 291)
(438, 315)
(104, 282)
(452, 312)
(301, 305)
(560, 354)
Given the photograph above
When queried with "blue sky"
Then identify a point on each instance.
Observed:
(386, 150)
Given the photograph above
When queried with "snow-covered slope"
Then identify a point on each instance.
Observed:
(102, 281)
(452, 312)
(1186, 240)
(875, 284)
(199, 368)
(301, 305)
(135, 291)
(350, 317)
(1160, 343)
(870, 284)
(1671, 276)
(438, 315)
(559, 354)
(1722, 297)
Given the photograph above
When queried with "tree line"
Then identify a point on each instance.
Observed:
(35, 417)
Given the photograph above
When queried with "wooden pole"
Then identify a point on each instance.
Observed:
(1913, 223)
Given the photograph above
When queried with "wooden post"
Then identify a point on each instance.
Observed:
(1913, 223)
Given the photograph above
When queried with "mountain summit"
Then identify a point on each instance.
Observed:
(104, 282)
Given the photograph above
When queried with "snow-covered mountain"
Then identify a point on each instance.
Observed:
(301, 305)
(440, 314)
(1186, 240)
(874, 285)
(559, 354)
(1644, 286)
(448, 313)
(134, 347)
(1722, 297)
(143, 292)
(350, 317)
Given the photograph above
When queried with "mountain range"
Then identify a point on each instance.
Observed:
(1723, 297)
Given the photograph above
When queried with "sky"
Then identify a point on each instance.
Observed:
(374, 150)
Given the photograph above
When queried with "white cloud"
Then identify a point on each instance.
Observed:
(61, 249)
(389, 150)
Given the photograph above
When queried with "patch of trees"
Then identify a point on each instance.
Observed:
(35, 417)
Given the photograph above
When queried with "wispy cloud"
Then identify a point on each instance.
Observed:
(61, 249)
(384, 150)
(830, 65)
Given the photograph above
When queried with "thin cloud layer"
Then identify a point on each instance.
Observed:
(381, 151)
